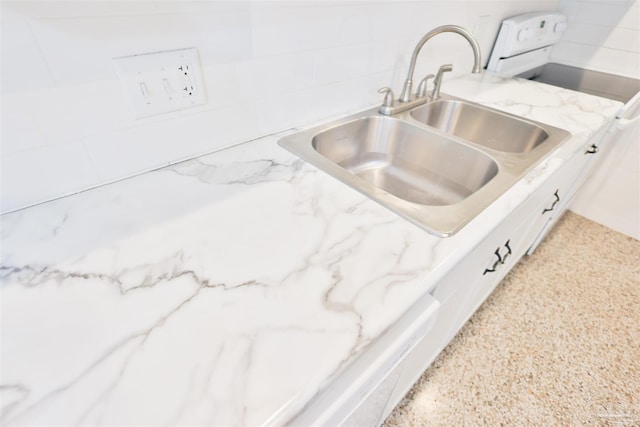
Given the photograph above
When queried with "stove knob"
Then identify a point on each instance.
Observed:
(524, 34)
(560, 27)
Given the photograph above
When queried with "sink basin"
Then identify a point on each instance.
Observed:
(436, 178)
(404, 160)
(482, 126)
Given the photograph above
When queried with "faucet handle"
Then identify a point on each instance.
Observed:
(388, 98)
(443, 69)
(437, 82)
(422, 87)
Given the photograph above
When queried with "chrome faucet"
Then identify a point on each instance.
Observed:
(406, 90)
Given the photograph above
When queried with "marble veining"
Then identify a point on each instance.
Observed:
(228, 289)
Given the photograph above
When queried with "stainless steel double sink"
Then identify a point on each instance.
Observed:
(438, 165)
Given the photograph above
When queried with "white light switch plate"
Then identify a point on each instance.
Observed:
(161, 82)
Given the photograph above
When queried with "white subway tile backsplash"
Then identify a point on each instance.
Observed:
(597, 35)
(196, 6)
(147, 147)
(342, 63)
(39, 174)
(280, 112)
(80, 50)
(267, 66)
(230, 83)
(414, 19)
(601, 35)
(223, 35)
(73, 8)
(623, 39)
(103, 106)
(310, 105)
(61, 113)
(273, 75)
(18, 131)
(298, 28)
(390, 55)
(22, 67)
(601, 59)
(605, 13)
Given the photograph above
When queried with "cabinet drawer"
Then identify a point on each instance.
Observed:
(560, 190)
(483, 255)
(487, 267)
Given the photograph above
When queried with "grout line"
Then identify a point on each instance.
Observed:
(42, 55)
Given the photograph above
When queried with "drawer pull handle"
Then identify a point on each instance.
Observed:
(593, 150)
(501, 258)
(553, 205)
(508, 254)
(495, 265)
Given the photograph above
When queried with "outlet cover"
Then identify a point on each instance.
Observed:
(161, 82)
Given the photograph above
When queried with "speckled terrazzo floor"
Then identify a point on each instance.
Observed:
(557, 343)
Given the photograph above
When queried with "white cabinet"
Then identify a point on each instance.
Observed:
(359, 395)
(567, 182)
(424, 353)
(469, 284)
(459, 293)
(481, 271)
(367, 393)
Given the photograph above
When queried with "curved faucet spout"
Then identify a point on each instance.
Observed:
(406, 90)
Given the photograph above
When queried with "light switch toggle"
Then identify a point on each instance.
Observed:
(560, 27)
(144, 90)
(167, 86)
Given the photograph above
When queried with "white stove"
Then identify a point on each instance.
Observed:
(523, 49)
(524, 42)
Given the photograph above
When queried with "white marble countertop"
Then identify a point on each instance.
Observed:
(229, 289)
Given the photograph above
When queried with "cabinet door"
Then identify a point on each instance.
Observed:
(488, 266)
(594, 153)
(471, 281)
(542, 217)
(469, 284)
(560, 190)
(546, 213)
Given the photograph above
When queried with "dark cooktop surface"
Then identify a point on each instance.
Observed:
(610, 86)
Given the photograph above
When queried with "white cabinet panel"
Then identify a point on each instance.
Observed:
(358, 394)
(567, 182)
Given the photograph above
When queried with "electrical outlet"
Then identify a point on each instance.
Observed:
(161, 82)
(184, 71)
(186, 78)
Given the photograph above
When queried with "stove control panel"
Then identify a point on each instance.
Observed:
(528, 32)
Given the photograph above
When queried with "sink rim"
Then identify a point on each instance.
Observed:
(444, 220)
